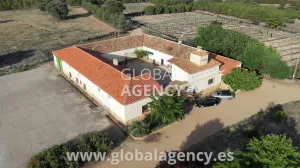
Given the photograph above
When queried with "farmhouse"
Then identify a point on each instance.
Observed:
(103, 69)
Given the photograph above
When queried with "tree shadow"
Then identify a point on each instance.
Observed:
(6, 21)
(202, 131)
(79, 15)
(16, 57)
(153, 138)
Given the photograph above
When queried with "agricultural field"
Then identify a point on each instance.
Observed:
(26, 34)
(135, 7)
(184, 26)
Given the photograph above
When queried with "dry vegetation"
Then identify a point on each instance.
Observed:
(32, 29)
(29, 36)
(135, 7)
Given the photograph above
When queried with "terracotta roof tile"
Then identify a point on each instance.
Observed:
(226, 63)
(107, 77)
(190, 67)
(168, 47)
(116, 44)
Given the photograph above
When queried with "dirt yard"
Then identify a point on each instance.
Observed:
(32, 29)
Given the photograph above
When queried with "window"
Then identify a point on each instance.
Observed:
(77, 80)
(150, 53)
(145, 108)
(211, 81)
(109, 97)
(99, 89)
(70, 74)
(84, 86)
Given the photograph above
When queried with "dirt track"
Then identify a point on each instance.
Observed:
(227, 113)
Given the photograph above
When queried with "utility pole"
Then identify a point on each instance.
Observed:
(295, 71)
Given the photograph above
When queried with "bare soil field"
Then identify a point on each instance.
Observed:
(25, 34)
(33, 29)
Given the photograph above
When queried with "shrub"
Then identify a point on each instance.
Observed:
(166, 108)
(272, 151)
(139, 128)
(57, 9)
(114, 6)
(42, 4)
(141, 53)
(244, 80)
(250, 131)
(56, 156)
(278, 116)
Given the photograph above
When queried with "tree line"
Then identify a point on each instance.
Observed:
(169, 6)
(160, 9)
(271, 15)
(110, 12)
(254, 54)
(23, 4)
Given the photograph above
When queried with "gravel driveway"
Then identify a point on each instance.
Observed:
(38, 109)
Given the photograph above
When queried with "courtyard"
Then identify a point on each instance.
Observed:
(39, 109)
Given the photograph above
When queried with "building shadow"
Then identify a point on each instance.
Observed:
(15, 57)
(202, 131)
(76, 16)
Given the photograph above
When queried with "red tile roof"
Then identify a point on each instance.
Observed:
(190, 67)
(156, 43)
(227, 64)
(105, 76)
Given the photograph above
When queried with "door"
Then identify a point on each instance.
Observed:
(59, 64)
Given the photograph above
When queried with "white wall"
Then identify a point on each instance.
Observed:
(134, 110)
(94, 91)
(121, 55)
(179, 74)
(54, 59)
(199, 81)
(157, 56)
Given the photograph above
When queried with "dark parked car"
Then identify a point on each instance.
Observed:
(224, 94)
(212, 101)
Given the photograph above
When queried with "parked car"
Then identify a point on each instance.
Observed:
(224, 94)
(212, 101)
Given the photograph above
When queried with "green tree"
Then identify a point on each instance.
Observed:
(275, 20)
(166, 108)
(244, 80)
(42, 4)
(114, 6)
(149, 10)
(272, 151)
(141, 53)
(253, 55)
(57, 9)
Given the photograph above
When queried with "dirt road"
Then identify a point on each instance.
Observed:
(227, 113)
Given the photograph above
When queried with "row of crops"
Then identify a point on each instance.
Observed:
(184, 26)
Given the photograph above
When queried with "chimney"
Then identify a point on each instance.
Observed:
(115, 61)
(199, 57)
(180, 40)
(199, 48)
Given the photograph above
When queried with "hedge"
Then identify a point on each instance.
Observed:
(56, 156)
